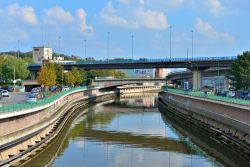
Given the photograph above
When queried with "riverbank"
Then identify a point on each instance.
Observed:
(24, 132)
(230, 121)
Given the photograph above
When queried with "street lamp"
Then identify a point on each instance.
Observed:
(108, 34)
(192, 44)
(18, 42)
(132, 49)
(59, 45)
(170, 42)
(85, 48)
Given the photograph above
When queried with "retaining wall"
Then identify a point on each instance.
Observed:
(20, 130)
(233, 119)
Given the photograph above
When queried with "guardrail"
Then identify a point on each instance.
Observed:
(30, 105)
(144, 60)
(208, 96)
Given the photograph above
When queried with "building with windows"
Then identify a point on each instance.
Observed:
(41, 54)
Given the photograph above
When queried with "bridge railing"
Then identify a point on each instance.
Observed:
(144, 60)
(208, 96)
(42, 102)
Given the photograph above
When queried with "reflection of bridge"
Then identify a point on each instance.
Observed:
(153, 142)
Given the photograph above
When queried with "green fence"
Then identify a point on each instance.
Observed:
(209, 96)
(29, 105)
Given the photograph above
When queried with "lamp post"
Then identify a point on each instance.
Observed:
(170, 42)
(85, 49)
(108, 34)
(18, 43)
(132, 47)
(59, 45)
(192, 44)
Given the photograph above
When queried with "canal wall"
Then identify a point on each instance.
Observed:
(230, 120)
(26, 130)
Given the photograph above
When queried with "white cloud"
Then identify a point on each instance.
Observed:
(152, 19)
(215, 7)
(138, 17)
(109, 15)
(57, 15)
(25, 13)
(207, 30)
(81, 14)
(123, 1)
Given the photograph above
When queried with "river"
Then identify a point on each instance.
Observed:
(131, 132)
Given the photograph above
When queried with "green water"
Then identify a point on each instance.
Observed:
(132, 133)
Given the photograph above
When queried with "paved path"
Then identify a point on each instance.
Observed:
(14, 98)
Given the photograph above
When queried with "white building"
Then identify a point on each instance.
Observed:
(42, 53)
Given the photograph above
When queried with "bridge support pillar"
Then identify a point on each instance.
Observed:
(33, 75)
(196, 80)
(159, 73)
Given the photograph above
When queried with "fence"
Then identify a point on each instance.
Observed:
(30, 105)
(209, 96)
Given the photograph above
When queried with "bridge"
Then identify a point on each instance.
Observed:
(196, 65)
(104, 83)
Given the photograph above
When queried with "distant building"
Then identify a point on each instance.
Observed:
(58, 58)
(41, 54)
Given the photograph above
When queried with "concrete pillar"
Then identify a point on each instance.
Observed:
(159, 73)
(196, 80)
(33, 75)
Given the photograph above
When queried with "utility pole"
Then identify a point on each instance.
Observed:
(187, 54)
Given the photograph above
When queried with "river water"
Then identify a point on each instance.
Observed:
(131, 132)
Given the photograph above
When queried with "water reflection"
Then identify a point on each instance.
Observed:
(125, 133)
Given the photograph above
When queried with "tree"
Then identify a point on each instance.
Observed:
(77, 75)
(241, 71)
(9, 64)
(46, 76)
(69, 79)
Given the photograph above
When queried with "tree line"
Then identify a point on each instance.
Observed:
(10, 66)
(53, 74)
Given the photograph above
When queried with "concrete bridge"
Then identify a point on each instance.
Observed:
(196, 65)
(105, 83)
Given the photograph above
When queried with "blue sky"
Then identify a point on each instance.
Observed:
(221, 27)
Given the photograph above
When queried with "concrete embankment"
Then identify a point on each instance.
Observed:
(24, 132)
(230, 121)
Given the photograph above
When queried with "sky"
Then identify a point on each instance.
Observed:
(220, 27)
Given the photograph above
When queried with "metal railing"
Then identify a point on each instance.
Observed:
(209, 96)
(144, 60)
(41, 102)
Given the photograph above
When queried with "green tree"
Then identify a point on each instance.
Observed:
(9, 64)
(46, 76)
(241, 71)
(77, 75)
(69, 79)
